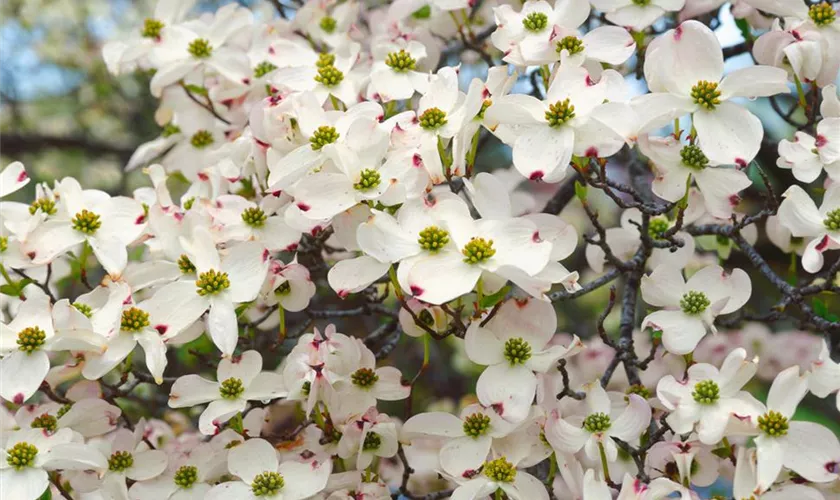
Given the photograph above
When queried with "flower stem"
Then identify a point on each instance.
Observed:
(552, 470)
(801, 92)
(426, 355)
(445, 160)
(392, 274)
(498, 494)
(281, 336)
(471, 154)
(604, 463)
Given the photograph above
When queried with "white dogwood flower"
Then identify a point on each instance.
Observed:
(28, 455)
(689, 308)
(708, 397)
(239, 379)
(593, 432)
(684, 71)
(807, 448)
(808, 156)
(513, 345)
(262, 477)
(820, 227)
(572, 119)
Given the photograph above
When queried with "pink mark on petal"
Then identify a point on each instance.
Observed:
(734, 200)
(18, 399)
(639, 486)
(469, 473)
(261, 144)
(678, 33)
(485, 93)
(589, 81)
(306, 454)
(536, 237)
(742, 163)
(178, 216)
(342, 294)
(823, 244)
(202, 176)
(265, 255)
(140, 220)
(236, 359)
(380, 118)
(161, 329)
(416, 290)
(271, 50)
(796, 35)
(292, 247)
(499, 408)
(537, 176)
(591, 152)
(521, 302)
(832, 467)
(821, 141)
(22, 176)
(31, 255)
(233, 179)
(127, 300)
(303, 206)
(316, 230)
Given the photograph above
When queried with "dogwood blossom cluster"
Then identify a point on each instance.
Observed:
(322, 292)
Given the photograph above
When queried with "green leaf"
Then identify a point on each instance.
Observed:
(242, 308)
(821, 310)
(47, 495)
(236, 423)
(722, 452)
(489, 301)
(15, 289)
(744, 26)
(196, 89)
(580, 191)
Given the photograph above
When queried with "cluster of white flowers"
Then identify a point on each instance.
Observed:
(323, 164)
